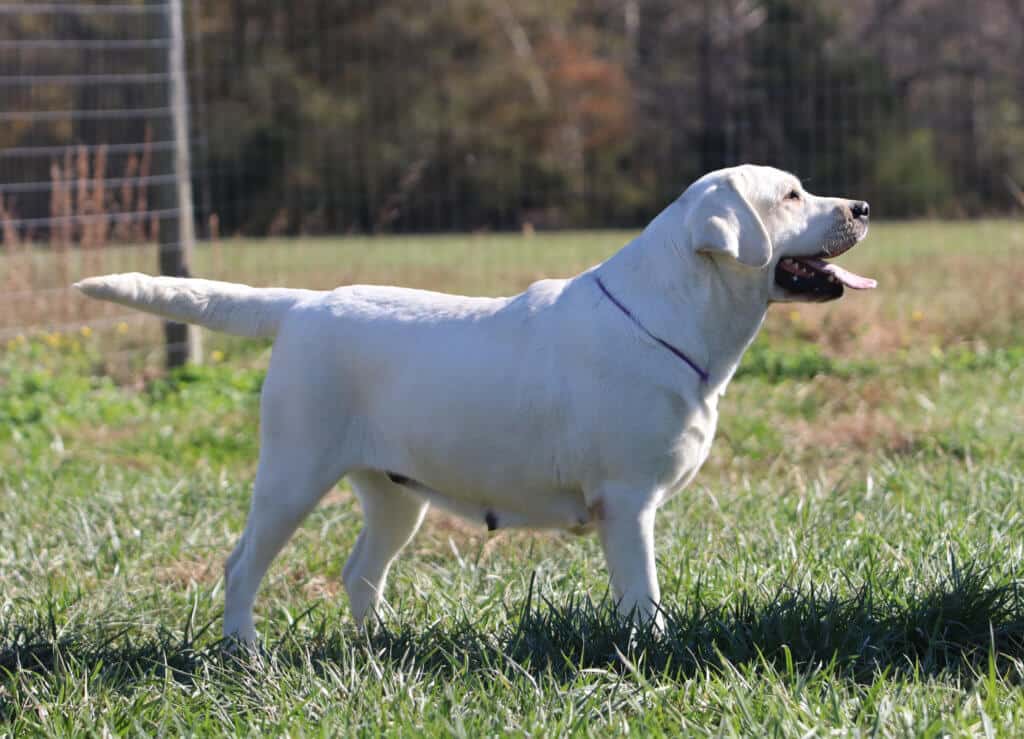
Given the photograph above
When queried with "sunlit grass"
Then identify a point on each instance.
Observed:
(850, 558)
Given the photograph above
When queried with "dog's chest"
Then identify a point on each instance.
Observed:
(690, 449)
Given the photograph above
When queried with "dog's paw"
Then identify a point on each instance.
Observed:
(247, 649)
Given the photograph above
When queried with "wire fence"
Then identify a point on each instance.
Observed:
(324, 135)
(88, 176)
(84, 86)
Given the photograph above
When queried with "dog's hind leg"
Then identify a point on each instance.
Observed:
(391, 517)
(282, 497)
(306, 446)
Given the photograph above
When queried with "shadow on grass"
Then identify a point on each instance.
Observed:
(952, 626)
(949, 627)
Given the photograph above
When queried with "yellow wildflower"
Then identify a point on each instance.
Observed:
(217, 355)
(85, 331)
(122, 328)
(917, 316)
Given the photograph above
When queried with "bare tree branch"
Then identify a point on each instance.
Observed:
(520, 41)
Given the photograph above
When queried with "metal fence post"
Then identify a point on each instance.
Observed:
(177, 232)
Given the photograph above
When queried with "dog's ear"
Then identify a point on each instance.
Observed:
(725, 221)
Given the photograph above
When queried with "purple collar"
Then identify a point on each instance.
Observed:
(693, 365)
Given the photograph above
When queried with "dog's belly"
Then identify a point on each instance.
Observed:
(485, 460)
(559, 509)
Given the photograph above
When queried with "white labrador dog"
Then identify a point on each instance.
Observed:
(584, 402)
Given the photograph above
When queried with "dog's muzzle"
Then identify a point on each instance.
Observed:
(812, 278)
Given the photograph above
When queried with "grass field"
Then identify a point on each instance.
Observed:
(851, 558)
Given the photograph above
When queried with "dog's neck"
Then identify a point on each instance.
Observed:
(706, 307)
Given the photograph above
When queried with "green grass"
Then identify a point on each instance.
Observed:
(850, 559)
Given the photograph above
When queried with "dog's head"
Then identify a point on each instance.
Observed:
(760, 223)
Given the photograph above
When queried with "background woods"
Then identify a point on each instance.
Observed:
(327, 116)
(472, 113)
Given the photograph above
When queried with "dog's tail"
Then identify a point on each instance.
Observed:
(221, 306)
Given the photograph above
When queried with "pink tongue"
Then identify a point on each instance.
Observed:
(845, 276)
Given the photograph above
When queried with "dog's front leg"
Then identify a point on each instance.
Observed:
(626, 526)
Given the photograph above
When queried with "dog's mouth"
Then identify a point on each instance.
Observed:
(815, 279)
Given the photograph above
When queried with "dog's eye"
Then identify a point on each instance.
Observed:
(793, 195)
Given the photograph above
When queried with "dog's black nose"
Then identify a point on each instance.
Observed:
(860, 209)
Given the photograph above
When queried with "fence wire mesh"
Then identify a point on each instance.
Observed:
(84, 88)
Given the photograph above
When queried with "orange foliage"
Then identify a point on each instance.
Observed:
(592, 93)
